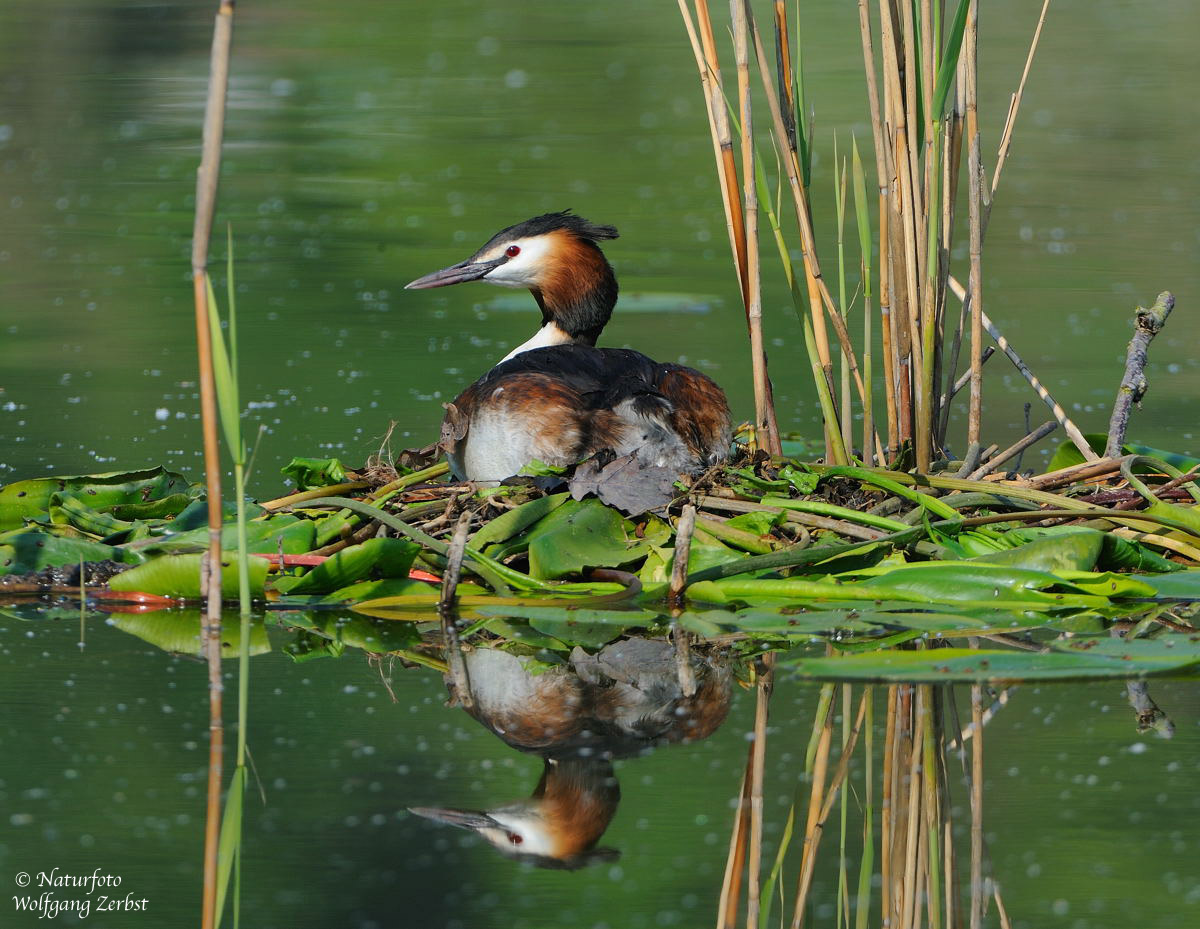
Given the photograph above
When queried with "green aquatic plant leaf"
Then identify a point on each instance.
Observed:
(517, 520)
(800, 478)
(581, 534)
(314, 472)
(970, 583)
(26, 551)
(284, 532)
(179, 576)
(31, 499)
(523, 634)
(1078, 550)
(1184, 585)
(1067, 455)
(378, 557)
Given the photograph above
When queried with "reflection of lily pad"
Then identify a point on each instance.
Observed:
(1104, 658)
(178, 631)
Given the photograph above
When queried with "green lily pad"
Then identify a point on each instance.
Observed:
(581, 534)
(31, 499)
(284, 532)
(314, 472)
(179, 576)
(23, 552)
(1184, 585)
(381, 557)
(1078, 550)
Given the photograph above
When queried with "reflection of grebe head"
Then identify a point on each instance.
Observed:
(616, 703)
(558, 826)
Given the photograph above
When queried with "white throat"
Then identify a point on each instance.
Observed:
(548, 335)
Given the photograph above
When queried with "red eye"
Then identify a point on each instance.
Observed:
(513, 837)
(513, 251)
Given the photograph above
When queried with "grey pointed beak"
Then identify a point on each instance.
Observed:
(455, 274)
(464, 819)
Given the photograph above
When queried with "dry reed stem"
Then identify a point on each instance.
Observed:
(1013, 450)
(684, 530)
(448, 612)
(718, 122)
(1147, 324)
(882, 177)
(758, 763)
(206, 196)
(1056, 409)
(1015, 103)
(912, 838)
(962, 382)
(818, 292)
(820, 769)
(816, 829)
(886, 815)
(764, 414)
(975, 206)
(977, 807)
(731, 886)
(1081, 472)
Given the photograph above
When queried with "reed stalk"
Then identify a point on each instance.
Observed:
(206, 195)
(758, 761)
(764, 407)
(703, 42)
(977, 897)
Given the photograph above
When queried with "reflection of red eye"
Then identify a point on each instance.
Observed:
(512, 836)
(513, 251)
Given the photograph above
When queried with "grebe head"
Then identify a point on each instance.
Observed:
(558, 258)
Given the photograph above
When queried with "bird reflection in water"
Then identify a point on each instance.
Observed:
(620, 702)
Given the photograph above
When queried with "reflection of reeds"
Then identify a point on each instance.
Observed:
(916, 852)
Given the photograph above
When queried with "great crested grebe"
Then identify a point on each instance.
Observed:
(557, 398)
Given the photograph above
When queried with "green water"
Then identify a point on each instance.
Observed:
(370, 143)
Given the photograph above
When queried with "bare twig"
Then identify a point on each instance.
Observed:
(683, 548)
(1147, 324)
(448, 612)
(1013, 450)
(1056, 409)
